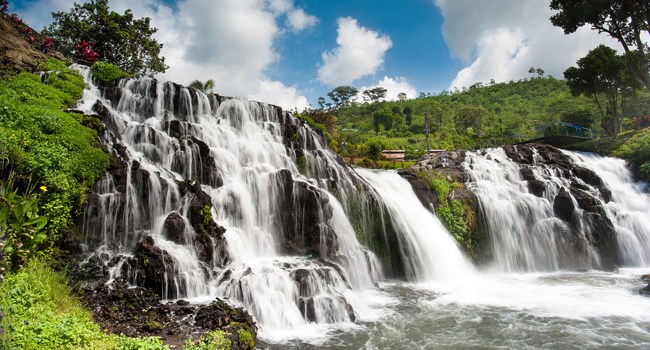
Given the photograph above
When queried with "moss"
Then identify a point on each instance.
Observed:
(301, 163)
(246, 338)
(107, 73)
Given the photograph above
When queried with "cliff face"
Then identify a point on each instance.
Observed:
(576, 198)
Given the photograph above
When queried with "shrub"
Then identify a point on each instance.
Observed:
(210, 341)
(107, 73)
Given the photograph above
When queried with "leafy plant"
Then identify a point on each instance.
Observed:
(107, 73)
(21, 227)
(210, 341)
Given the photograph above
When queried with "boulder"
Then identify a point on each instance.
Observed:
(174, 228)
(563, 206)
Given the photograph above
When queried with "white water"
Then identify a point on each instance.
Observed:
(245, 139)
(451, 305)
(526, 235)
(629, 208)
(432, 253)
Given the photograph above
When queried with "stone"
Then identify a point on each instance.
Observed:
(174, 228)
(563, 206)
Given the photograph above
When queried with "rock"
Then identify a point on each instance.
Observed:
(152, 325)
(645, 290)
(150, 264)
(563, 205)
(174, 228)
(588, 176)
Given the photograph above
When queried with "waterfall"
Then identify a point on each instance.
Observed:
(431, 252)
(628, 209)
(205, 199)
(556, 210)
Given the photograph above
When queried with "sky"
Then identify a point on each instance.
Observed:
(290, 52)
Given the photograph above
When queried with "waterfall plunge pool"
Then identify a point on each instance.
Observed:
(559, 310)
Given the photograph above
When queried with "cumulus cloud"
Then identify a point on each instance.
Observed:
(502, 39)
(229, 41)
(393, 86)
(299, 20)
(275, 92)
(360, 52)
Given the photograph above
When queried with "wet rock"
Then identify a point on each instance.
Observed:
(174, 228)
(563, 205)
(150, 264)
(645, 290)
(588, 176)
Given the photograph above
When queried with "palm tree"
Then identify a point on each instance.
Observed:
(205, 87)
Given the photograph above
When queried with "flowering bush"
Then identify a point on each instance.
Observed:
(84, 54)
(641, 122)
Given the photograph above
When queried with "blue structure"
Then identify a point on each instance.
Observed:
(580, 131)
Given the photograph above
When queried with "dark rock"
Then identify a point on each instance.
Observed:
(174, 228)
(150, 265)
(563, 205)
(537, 187)
(588, 176)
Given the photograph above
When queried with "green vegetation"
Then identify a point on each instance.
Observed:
(456, 215)
(215, 340)
(636, 149)
(40, 313)
(43, 146)
(205, 87)
(90, 31)
(107, 73)
(246, 338)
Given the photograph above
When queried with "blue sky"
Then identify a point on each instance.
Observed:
(290, 52)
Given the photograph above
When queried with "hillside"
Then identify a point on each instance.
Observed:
(479, 116)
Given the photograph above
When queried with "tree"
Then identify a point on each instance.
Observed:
(321, 102)
(117, 38)
(205, 87)
(470, 118)
(401, 96)
(342, 95)
(624, 20)
(408, 112)
(375, 94)
(602, 71)
(540, 72)
(384, 118)
(373, 149)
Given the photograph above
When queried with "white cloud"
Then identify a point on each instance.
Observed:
(229, 41)
(394, 87)
(275, 92)
(360, 52)
(298, 20)
(502, 39)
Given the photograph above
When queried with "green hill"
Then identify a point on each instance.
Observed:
(479, 116)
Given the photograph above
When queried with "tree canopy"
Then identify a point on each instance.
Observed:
(375, 94)
(342, 95)
(206, 86)
(624, 20)
(117, 38)
(602, 71)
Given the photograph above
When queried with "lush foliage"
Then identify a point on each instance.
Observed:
(636, 149)
(603, 73)
(479, 116)
(626, 21)
(459, 219)
(40, 313)
(116, 38)
(319, 128)
(107, 73)
(20, 226)
(48, 148)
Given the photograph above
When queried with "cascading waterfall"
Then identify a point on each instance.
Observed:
(208, 201)
(628, 209)
(431, 252)
(545, 217)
